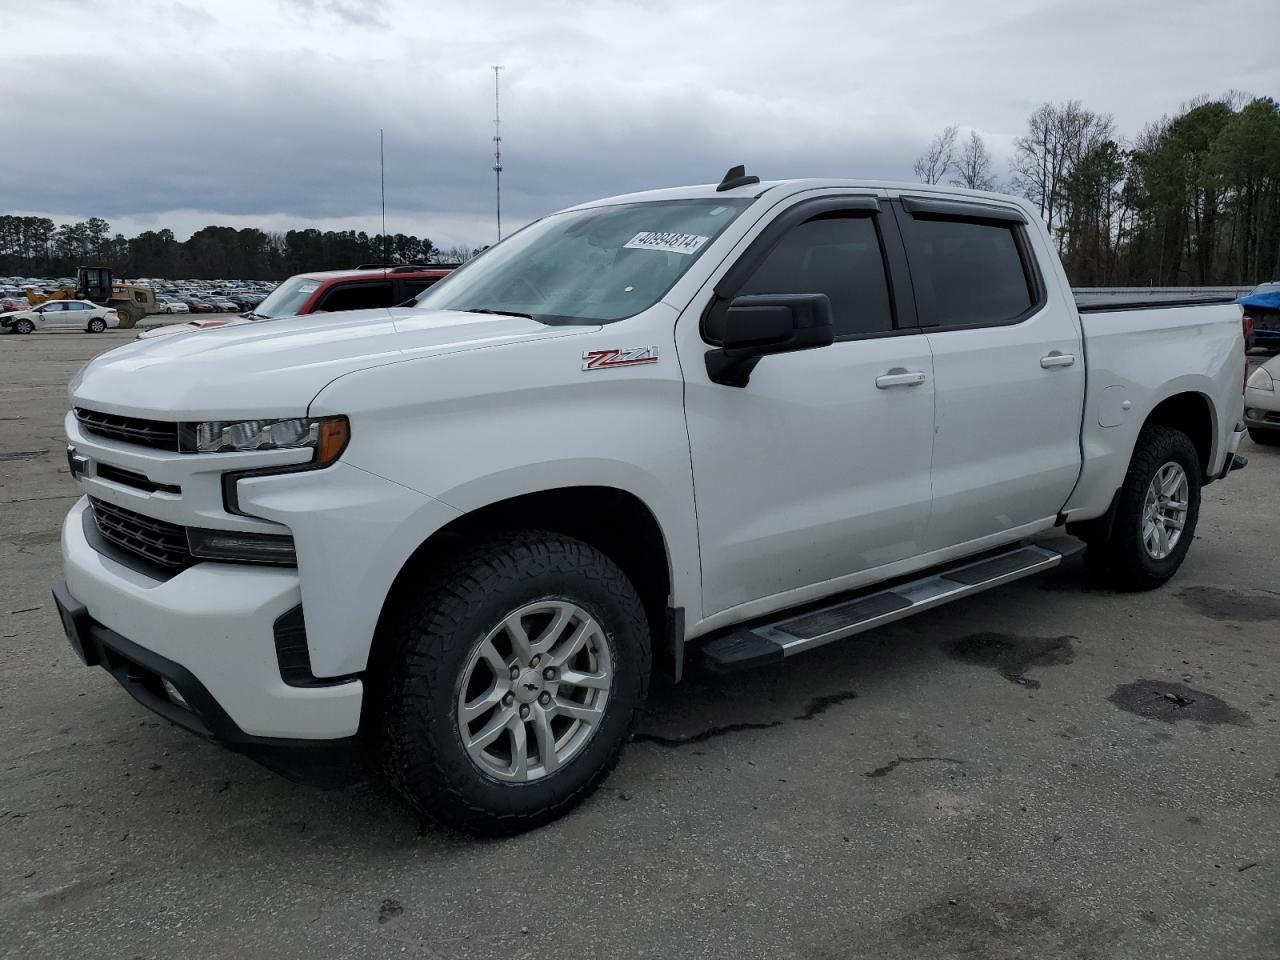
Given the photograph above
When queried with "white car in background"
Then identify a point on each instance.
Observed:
(174, 306)
(62, 315)
(1262, 403)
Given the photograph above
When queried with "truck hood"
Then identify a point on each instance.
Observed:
(275, 368)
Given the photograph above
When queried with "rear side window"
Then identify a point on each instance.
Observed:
(974, 270)
(839, 256)
(361, 296)
(414, 287)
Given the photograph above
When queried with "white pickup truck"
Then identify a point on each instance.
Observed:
(731, 422)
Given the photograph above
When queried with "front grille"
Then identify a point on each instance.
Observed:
(159, 434)
(136, 480)
(159, 541)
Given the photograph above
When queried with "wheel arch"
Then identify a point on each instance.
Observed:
(613, 520)
(1192, 412)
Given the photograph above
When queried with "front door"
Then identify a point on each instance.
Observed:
(53, 314)
(819, 467)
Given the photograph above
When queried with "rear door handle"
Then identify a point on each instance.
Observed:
(900, 377)
(1057, 359)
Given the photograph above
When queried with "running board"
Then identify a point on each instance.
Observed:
(771, 642)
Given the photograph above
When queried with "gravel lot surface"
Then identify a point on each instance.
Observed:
(1050, 770)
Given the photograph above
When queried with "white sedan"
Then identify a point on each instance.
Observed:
(61, 315)
(1262, 403)
(173, 306)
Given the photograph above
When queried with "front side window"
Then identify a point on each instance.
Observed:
(588, 266)
(356, 296)
(839, 256)
(975, 270)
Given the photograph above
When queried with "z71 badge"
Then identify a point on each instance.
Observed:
(607, 359)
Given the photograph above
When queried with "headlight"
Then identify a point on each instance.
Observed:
(1260, 379)
(327, 436)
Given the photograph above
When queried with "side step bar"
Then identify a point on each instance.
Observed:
(771, 642)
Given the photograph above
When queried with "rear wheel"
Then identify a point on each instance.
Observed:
(1156, 514)
(1268, 438)
(510, 683)
(97, 325)
(23, 326)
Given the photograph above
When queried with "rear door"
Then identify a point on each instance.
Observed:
(819, 467)
(1008, 366)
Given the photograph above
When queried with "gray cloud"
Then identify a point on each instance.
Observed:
(270, 112)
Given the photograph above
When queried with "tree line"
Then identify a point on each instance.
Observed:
(1193, 199)
(34, 247)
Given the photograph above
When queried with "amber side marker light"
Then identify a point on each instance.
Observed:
(335, 433)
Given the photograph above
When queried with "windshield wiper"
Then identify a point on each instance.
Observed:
(500, 313)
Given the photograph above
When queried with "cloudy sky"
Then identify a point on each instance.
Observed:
(158, 113)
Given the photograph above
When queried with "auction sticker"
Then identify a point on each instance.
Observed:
(686, 243)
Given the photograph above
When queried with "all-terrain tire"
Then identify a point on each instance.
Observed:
(1122, 559)
(428, 638)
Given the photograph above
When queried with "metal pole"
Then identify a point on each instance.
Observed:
(497, 150)
(382, 163)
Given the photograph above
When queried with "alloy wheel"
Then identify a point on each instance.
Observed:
(1164, 511)
(534, 691)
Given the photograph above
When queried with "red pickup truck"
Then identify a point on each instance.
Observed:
(328, 291)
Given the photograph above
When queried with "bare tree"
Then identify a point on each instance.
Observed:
(1058, 136)
(937, 161)
(973, 166)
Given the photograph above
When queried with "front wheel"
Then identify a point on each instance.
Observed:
(129, 314)
(511, 682)
(23, 326)
(1156, 514)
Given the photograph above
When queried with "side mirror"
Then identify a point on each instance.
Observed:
(761, 324)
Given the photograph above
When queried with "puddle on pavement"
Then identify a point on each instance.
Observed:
(1011, 655)
(1170, 702)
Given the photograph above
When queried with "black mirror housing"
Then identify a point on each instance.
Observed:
(762, 324)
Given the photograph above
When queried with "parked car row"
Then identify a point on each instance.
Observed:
(173, 296)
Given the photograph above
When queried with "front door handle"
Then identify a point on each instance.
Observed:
(900, 377)
(1057, 358)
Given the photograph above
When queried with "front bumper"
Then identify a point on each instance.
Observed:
(149, 678)
(214, 622)
(1261, 409)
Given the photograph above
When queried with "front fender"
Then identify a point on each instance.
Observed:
(353, 532)
(480, 426)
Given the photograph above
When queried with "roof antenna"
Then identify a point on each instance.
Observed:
(736, 177)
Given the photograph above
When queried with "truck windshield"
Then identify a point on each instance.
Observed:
(287, 299)
(588, 266)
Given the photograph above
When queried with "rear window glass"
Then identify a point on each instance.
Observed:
(974, 269)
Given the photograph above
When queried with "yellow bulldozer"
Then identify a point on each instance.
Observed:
(130, 300)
